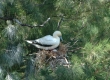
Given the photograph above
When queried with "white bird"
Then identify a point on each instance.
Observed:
(47, 42)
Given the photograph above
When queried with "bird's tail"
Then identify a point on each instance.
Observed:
(29, 41)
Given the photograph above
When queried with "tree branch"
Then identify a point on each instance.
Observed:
(59, 23)
(73, 50)
(31, 26)
(20, 23)
(6, 18)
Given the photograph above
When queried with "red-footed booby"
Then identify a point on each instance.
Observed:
(47, 42)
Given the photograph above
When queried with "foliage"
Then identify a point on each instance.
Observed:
(85, 25)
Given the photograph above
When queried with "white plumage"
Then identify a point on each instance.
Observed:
(47, 42)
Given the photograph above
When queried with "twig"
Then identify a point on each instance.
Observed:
(74, 49)
(20, 23)
(45, 22)
(6, 50)
(48, 60)
(44, 2)
(6, 18)
(75, 42)
(58, 26)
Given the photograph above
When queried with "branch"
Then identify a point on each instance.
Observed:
(31, 26)
(20, 23)
(6, 18)
(73, 50)
(45, 22)
(58, 26)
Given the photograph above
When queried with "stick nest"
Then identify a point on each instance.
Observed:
(52, 58)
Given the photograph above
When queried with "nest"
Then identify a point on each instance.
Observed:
(52, 58)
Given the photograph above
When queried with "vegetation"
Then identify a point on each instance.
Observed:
(85, 26)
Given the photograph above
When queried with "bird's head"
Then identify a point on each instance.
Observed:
(8, 22)
(57, 34)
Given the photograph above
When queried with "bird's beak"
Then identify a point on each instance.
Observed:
(61, 38)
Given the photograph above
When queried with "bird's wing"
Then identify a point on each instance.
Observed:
(47, 40)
